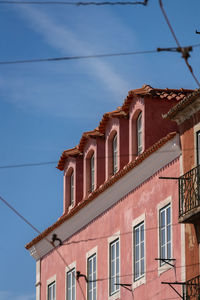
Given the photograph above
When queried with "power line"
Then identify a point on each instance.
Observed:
(63, 58)
(39, 232)
(184, 55)
(100, 157)
(28, 165)
(75, 57)
(80, 3)
(64, 260)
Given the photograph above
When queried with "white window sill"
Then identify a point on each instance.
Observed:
(163, 268)
(115, 296)
(139, 282)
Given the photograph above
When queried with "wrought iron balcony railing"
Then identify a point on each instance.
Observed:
(193, 289)
(189, 193)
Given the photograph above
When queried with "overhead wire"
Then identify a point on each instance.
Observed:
(39, 232)
(177, 42)
(36, 164)
(80, 57)
(65, 58)
(77, 3)
(67, 265)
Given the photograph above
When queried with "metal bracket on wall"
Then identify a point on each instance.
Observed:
(177, 283)
(167, 261)
(125, 285)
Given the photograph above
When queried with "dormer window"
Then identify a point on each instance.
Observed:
(92, 173)
(139, 134)
(72, 189)
(114, 154)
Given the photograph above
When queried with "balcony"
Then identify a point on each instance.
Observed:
(192, 289)
(189, 196)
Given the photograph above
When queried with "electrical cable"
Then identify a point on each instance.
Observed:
(177, 42)
(66, 58)
(80, 3)
(39, 232)
(100, 157)
(23, 61)
(63, 259)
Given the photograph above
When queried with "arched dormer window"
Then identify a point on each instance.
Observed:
(69, 201)
(92, 173)
(71, 183)
(139, 134)
(114, 154)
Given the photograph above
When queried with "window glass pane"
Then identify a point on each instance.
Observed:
(92, 173)
(114, 266)
(139, 251)
(71, 285)
(52, 291)
(92, 277)
(165, 233)
(139, 133)
(72, 188)
(198, 147)
(114, 149)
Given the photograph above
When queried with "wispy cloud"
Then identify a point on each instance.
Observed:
(7, 295)
(62, 38)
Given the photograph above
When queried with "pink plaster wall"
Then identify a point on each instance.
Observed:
(155, 127)
(142, 200)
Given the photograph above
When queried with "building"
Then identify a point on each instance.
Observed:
(187, 116)
(119, 236)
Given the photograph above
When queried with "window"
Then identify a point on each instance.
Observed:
(91, 275)
(198, 147)
(139, 134)
(52, 291)
(71, 279)
(165, 233)
(92, 173)
(72, 189)
(114, 154)
(139, 259)
(114, 267)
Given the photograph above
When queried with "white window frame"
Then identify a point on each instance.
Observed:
(90, 255)
(139, 134)
(139, 244)
(111, 241)
(162, 267)
(92, 173)
(71, 183)
(70, 270)
(51, 282)
(115, 154)
(142, 280)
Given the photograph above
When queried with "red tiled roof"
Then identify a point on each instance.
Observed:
(94, 133)
(148, 91)
(182, 104)
(103, 187)
(122, 112)
(70, 152)
(118, 113)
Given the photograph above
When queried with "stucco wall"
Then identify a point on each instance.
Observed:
(143, 200)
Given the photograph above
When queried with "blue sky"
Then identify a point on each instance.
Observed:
(45, 107)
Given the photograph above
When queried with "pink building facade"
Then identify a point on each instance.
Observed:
(119, 236)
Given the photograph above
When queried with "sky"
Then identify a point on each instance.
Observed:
(45, 107)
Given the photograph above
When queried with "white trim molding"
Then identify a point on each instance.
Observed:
(111, 239)
(50, 281)
(142, 280)
(161, 205)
